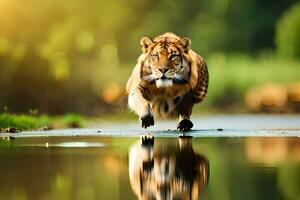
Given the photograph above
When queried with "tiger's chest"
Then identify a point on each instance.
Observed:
(163, 101)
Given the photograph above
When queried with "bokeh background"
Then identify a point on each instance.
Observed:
(75, 56)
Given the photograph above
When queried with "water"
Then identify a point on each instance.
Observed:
(164, 168)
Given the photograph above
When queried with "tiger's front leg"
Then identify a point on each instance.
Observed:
(184, 124)
(142, 107)
(185, 107)
(146, 118)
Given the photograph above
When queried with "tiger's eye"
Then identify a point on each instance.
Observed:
(173, 57)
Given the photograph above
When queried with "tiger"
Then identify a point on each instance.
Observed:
(167, 170)
(167, 81)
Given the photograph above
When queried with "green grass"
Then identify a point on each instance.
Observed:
(24, 122)
(72, 120)
(33, 122)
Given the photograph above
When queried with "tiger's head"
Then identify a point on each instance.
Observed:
(166, 60)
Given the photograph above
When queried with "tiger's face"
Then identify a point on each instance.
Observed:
(166, 61)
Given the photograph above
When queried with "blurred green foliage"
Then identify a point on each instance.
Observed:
(23, 121)
(74, 120)
(288, 33)
(75, 56)
(231, 76)
(40, 122)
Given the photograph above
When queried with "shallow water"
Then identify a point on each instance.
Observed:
(163, 168)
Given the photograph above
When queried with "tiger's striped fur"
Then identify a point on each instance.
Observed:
(168, 79)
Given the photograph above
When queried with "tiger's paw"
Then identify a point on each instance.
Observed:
(147, 140)
(147, 120)
(185, 125)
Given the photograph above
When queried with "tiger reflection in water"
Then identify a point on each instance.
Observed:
(167, 171)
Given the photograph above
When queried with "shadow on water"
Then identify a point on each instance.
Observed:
(167, 171)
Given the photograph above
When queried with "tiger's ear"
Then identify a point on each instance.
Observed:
(146, 42)
(185, 43)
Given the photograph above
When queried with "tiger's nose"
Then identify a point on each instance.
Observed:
(163, 70)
